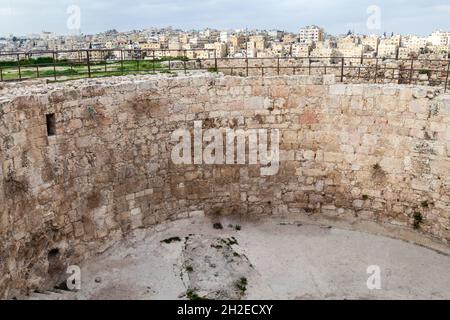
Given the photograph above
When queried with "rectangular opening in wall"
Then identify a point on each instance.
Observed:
(51, 124)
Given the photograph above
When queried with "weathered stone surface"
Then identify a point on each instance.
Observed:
(365, 151)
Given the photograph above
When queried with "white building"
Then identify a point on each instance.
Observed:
(276, 34)
(301, 50)
(414, 43)
(198, 42)
(311, 33)
(439, 38)
(224, 36)
(251, 49)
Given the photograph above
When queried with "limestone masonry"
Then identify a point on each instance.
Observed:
(85, 162)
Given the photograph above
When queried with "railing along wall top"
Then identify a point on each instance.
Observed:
(79, 63)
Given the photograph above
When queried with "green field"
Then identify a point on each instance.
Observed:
(44, 68)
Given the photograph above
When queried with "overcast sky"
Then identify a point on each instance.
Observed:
(21, 17)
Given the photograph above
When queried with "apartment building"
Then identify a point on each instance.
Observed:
(277, 49)
(322, 51)
(394, 40)
(174, 44)
(353, 51)
(311, 33)
(260, 42)
(223, 36)
(237, 41)
(440, 51)
(415, 43)
(289, 38)
(251, 49)
(219, 47)
(276, 34)
(439, 38)
(301, 50)
(389, 51)
(198, 42)
(372, 42)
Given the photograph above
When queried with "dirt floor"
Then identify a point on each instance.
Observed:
(266, 259)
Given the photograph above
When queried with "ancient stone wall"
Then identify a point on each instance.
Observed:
(377, 152)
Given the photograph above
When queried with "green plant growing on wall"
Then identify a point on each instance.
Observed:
(91, 111)
(192, 295)
(241, 284)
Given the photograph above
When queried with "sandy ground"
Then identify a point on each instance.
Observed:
(278, 260)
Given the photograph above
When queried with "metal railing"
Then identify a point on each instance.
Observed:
(73, 64)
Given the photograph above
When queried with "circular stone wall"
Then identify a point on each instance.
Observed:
(86, 162)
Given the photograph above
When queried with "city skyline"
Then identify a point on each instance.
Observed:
(403, 17)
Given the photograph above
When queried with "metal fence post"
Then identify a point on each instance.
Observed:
(411, 71)
(215, 61)
(376, 69)
(184, 62)
(88, 63)
(246, 66)
(153, 61)
(278, 65)
(446, 78)
(121, 61)
(309, 66)
(54, 65)
(342, 69)
(18, 66)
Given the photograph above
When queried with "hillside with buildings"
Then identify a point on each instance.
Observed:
(310, 41)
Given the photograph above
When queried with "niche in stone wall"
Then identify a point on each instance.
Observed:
(51, 124)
